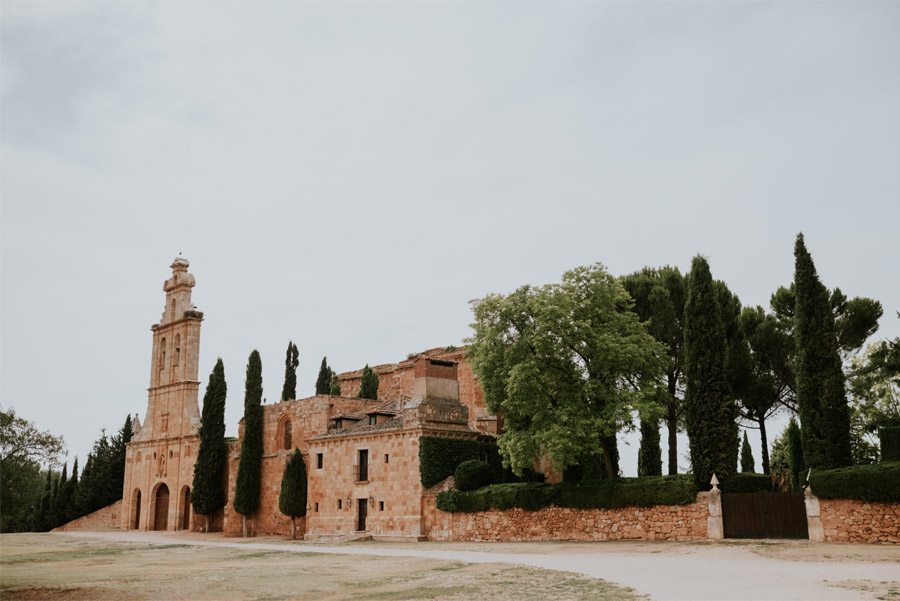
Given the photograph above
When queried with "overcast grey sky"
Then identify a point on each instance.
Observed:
(350, 175)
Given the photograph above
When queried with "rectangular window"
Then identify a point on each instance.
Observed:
(380, 505)
(373, 420)
(320, 461)
(387, 458)
(363, 465)
(340, 503)
(317, 507)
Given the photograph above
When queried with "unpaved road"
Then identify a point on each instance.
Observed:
(715, 571)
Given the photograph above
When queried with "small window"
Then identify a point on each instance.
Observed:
(373, 419)
(380, 505)
(387, 458)
(320, 461)
(363, 456)
(177, 356)
(317, 507)
(288, 433)
(340, 503)
(162, 354)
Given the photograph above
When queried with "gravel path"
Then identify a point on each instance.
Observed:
(721, 571)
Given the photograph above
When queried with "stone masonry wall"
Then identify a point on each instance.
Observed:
(852, 521)
(662, 522)
(105, 518)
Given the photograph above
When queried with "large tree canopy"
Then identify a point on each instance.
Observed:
(562, 363)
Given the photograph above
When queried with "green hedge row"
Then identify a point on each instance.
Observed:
(747, 482)
(890, 443)
(438, 457)
(879, 482)
(604, 494)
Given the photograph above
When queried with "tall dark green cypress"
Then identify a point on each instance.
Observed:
(57, 507)
(335, 386)
(368, 384)
(748, 465)
(208, 489)
(795, 455)
(70, 511)
(42, 519)
(292, 500)
(650, 453)
(323, 382)
(710, 411)
(246, 489)
(291, 361)
(820, 379)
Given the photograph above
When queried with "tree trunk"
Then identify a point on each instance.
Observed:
(764, 441)
(243, 525)
(610, 456)
(672, 425)
(293, 529)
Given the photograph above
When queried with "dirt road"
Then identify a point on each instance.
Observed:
(715, 571)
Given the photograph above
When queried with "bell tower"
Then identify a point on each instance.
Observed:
(159, 460)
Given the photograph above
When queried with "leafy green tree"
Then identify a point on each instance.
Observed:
(820, 380)
(875, 389)
(291, 361)
(796, 462)
(208, 488)
(335, 386)
(562, 363)
(292, 500)
(323, 382)
(650, 453)
(748, 465)
(710, 410)
(659, 296)
(368, 384)
(246, 489)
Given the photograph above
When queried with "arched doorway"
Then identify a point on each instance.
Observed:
(136, 509)
(185, 508)
(161, 508)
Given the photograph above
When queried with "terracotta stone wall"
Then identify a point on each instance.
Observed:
(663, 522)
(106, 518)
(851, 521)
(393, 482)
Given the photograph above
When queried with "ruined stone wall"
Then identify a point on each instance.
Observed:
(105, 518)
(309, 417)
(392, 490)
(852, 521)
(662, 522)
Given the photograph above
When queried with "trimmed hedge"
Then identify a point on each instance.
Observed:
(873, 483)
(473, 474)
(438, 457)
(890, 443)
(747, 482)
(605, 494)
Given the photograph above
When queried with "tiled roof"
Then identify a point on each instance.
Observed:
(362, 428)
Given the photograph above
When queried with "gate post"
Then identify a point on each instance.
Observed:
(813, 516)
(715, 529)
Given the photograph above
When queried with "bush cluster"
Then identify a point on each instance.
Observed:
(604, 494)
(473, 474)
(890, 443)
(873, 483)
(438, 457)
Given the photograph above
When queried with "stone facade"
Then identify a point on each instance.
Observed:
(851, 521)
(662, 522)
(159, 460)
(106, 518)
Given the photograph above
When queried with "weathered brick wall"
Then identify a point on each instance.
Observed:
(106, 518)
(663, 522)
(851, 521)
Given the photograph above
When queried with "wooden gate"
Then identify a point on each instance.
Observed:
(764, 515)
(161, 508)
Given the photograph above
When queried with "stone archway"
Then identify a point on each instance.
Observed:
(161, 507)
(135, 521)
(185, 508)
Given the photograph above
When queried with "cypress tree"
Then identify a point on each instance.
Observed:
(748, 465)
(292, 500)
(41, 520)
(650, 453)
(796, 461)
(70, 510)
(323, 382)
(710, 411)
(246, 490)
(335, 386)
(208, 487)
(368, 384)
(56, 506)
(291, 361)
(820, 379)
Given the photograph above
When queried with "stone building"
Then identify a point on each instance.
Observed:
(362, 456)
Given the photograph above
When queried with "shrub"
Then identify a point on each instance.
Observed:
(472, 474)
(438, 457)
(873, 483)
(747, 482)
(890, 443)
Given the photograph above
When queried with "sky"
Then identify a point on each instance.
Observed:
(350, 175)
